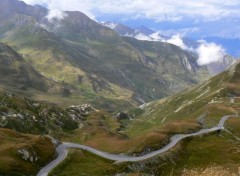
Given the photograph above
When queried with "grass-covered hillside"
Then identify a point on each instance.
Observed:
(151, 127)
(93, 60)
(205, 104)
(148, 128)
(38, 117)
(79, 81)
(17, 74)
(23, 154)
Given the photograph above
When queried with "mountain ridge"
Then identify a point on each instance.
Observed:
(74, 79)
(74, 46)
(18, 74)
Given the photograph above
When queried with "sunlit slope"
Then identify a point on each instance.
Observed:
(22, 154)
(17, 74)
(96, 62)
(204, 104)
(56, 60)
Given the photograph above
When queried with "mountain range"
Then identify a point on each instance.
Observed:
(93, 61)
(146, 34)
(124, 91)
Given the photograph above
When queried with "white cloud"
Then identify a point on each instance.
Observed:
(164, 10)
(156, 36)
(141, 36)
(55, 14)
(84, 6)
(209, 52)
(199, 11)
(110, 25)
(177, 40)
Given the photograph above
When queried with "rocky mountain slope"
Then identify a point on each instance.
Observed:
(72, 59)
(145, 34)
(94, 60)
(151, 126)
(141, 33)
(27, 116)
(120, 28)
(17, 74)
(224, 63)
(24, 154)
(204, 103)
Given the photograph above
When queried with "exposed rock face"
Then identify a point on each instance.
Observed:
(120, 28)
(78, 47)
(82, 110)
(12, 7)
(76, 22)
(221, 65)
(39, 117)
(186, 63)
(137, 33)
(28, 155)
(123, 115)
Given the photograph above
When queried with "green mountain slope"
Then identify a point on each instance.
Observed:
(59, 60)
(97, 63)
(17, 74)
(205, 104)
(74, 60)
(177, 68)
(199, 107)
(38, 117)
(24, 154)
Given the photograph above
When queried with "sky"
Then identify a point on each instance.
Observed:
(212, 20)
(183, 16)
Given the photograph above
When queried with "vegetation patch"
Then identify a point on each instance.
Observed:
(22, 154)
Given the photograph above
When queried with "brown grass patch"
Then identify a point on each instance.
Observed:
(11, 161)
(210, 171)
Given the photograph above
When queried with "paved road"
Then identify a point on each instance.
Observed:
(62, 149)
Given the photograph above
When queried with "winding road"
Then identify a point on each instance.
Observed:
(62, 149)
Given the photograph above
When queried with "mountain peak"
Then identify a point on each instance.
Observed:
(145, 30)
(12, 7)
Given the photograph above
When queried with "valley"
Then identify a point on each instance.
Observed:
(84, 97)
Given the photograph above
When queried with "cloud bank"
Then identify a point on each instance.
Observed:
(157, 36)
(141, 36)
(177, 40)
(84, 6)
(197, 18)
(209, 52)
(55, 14)
(164, 10)
(160, 11)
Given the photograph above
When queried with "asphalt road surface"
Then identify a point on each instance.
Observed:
(62, 149)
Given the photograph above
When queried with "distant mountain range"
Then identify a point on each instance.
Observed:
(141, 33)
(94, 62)
(144, 33)
(65, 77)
